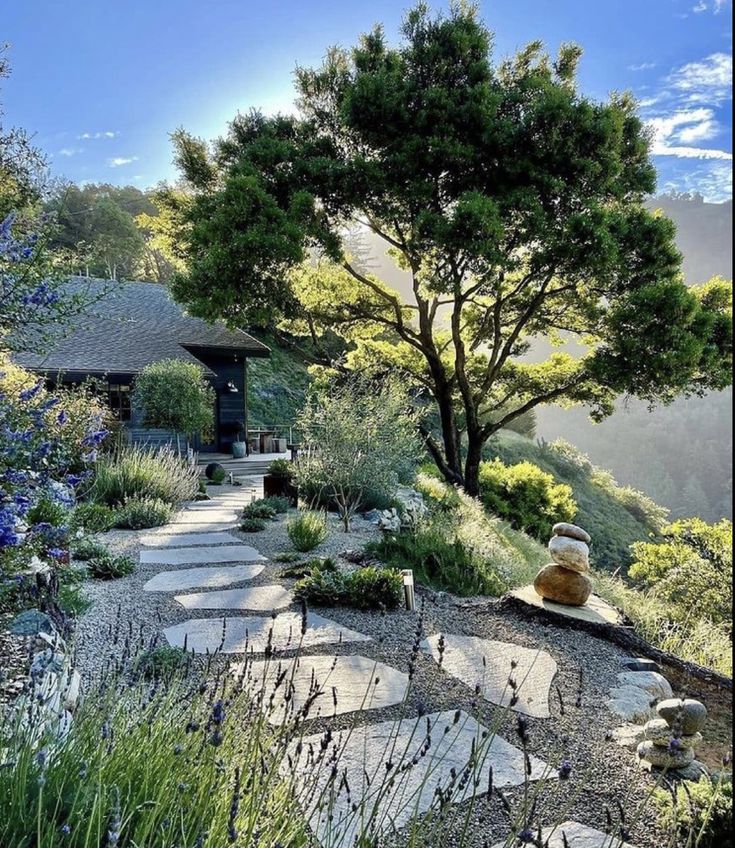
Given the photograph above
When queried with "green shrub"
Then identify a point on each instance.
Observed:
(160, 662)
(699, 813)
(287, 556)
(141, 513)
(278, 504)
(110, 566)
(259, 509)
(47, 511)
(308, 530)
(217, 476)
(136, 472)
(93, 517)
(280, 468)
(87, 548)
(368, 588)
(309, 567)
(252, 525)
(527, 497)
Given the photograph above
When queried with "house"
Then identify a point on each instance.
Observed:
(128, 325)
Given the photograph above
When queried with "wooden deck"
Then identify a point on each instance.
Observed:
(255, 465)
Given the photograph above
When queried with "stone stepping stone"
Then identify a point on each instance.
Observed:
(193, 556)
(487, 663)
(260, 598)
(577, 836)
(191, 516)
(595, 610)
(332, 685)
(361, 755)
(201, 527)
(204, 635)
(184, 540)
(209, 506)
(202, 578)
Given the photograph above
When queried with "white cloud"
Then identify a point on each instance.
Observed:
(708, 81)
(673, 135)
(70, 151)
(700, 7)
(644, 66)
(95, 135)
(119, 161)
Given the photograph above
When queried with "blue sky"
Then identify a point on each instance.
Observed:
(100, 84)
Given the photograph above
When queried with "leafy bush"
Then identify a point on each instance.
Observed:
(141, 513)
(308, 530)
(309, 567)
(527, 497)
(216, 474)
(287, 556)
(367, 588)
(699, 813)
(136, 472)
(252, 525)
(278, 504)
(260, 508)
(93, 517)
(47, 511)
(360, 442)
(281, 468)
(690, 569)
(110, 566)
(160, 662)
(87, 548)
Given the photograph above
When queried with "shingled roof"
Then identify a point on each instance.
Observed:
(129, 325)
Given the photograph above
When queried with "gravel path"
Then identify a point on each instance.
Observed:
(577, 730)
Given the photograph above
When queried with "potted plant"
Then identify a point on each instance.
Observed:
(278, 482)
(240, 445)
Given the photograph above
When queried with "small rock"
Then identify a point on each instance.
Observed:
(572, 531)
(694, 771)
(631, 703)
(570, 553)
(687, 716)
(653, 682)
(31, 622)
(355, 557)
(640, 664)
(628, 736)
(71, 696)
(562, 585)
(664, 757)
(658, 731)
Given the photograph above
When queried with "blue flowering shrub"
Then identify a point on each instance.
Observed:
(48, 442)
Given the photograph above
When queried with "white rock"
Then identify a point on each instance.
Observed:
(260, 598)
(191, 556)
(570, 553)
(331, 685)
(201, 578)
(240, 635)
(487, 663)
(631, 703)
(654, 683)
(629, 735)
(361, 755)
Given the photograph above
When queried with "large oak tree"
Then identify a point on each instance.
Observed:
(513, 202)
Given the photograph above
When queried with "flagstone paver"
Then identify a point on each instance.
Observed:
(202, 578)
(261, 598)
(182, 540)
(577, 836)
(191, 556)
(332, 685)
(200, 527)
(204, 635)
(191, 516)
(364, 752)
(487, 663)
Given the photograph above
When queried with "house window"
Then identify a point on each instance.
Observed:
(118, 398)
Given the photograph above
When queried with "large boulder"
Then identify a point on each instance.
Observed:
(32, 622)
(570, 553)
(562, 585)
(653, 682)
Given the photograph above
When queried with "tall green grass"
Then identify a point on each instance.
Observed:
(131, 472)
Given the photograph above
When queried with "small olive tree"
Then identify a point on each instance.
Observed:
(175, 395)
(360, 441)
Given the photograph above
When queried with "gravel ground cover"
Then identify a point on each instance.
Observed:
(603, 774)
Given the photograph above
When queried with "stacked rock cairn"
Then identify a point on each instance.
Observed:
(565, 580)
(670, 740)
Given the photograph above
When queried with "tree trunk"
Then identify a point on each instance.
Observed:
(450, 432)
(475, 443)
